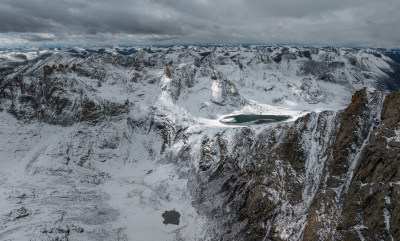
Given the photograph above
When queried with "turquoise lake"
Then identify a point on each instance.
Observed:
(249, 119)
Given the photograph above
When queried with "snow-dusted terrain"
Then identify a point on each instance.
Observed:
(97, 144)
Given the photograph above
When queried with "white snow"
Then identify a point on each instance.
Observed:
(386, 215)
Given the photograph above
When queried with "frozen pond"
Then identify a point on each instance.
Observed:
(249, 119)
(171, 217)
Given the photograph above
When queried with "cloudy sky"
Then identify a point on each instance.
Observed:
(373, 23)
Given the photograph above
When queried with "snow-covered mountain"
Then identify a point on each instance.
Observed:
(97, 143)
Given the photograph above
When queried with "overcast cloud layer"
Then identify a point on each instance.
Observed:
(373, 23)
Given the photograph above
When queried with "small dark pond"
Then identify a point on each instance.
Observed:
(171, 217)
(247, 119)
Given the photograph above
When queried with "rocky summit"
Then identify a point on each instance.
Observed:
(97, 143)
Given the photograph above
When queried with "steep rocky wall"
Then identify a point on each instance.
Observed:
(355, 124)
(371, 210)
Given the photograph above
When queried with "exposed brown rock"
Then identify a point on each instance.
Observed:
(167, 72)
(347, 140)
(373, 193)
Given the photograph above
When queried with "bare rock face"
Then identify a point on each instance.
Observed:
(167, 72)
(355, 124)
(371, 209)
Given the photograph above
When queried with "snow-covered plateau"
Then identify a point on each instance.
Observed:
(96, 144)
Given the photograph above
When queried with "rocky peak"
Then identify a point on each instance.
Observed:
(167, 72)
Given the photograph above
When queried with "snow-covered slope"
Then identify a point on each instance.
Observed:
(97, 144)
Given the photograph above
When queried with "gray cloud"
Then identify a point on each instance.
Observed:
(340, 22)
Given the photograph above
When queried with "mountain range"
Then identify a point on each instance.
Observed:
(97, 143)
